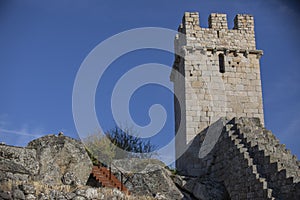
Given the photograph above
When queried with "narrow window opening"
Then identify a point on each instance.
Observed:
(222, 63)
(218, 33)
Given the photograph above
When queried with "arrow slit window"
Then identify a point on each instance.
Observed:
(221, 63)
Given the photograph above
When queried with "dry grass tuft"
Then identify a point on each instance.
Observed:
(43, 188)
(6, 185)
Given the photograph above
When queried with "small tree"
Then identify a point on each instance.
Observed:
(100, 148)
(117, 144)
(130, 145)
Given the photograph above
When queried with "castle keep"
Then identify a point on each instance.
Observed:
(221, 70)
(219, 112)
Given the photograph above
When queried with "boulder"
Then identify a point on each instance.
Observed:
(18, 194)
(58, 155)
(70, 179)
(18, 160)
(8, 166)
(91, 193)
(11, 171)
(135, 165)
(30, 197)
(5, 195)
(147, 177)
(203, 188)
(27, 188)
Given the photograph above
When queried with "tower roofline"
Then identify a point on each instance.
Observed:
(218, 21)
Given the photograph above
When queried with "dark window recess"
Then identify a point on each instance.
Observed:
(222, 63)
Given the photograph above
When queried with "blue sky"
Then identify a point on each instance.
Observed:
(43, 43)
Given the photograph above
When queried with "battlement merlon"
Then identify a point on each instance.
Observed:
(241, 37)
(218, 21)
(244, 22)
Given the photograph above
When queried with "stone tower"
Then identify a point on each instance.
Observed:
(221, 73)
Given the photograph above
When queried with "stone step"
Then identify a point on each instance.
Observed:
(229, 127)
(107, 179)
(271, 145)
(275, 157)
(255, 182)
(268, 159)
(273, 161)
(249, 162)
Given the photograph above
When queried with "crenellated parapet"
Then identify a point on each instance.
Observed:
(241, 37)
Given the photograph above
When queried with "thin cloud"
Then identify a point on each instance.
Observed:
(18, 132)
(23, 131)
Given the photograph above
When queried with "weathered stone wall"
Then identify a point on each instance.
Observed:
(248, 159)
(47, 160)
(222, 73)
(58, 155)
(22, 157)
(17, 164)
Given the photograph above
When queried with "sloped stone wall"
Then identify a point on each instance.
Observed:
(248, 160)
(24, 158)
(273, 161)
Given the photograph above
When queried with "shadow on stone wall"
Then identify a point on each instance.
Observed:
(247, 159)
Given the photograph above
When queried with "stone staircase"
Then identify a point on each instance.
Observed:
(246, 158)
(255, 186)
(107, 179)
(270, 162)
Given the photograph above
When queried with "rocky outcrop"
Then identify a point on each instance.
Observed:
(58, 155)
(18, 162)
(201, 188)
(50, 160)
(151, 177)
(34, 191)
(50, 167)
(147, 177)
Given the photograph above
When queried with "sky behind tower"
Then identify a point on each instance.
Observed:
(43, 44)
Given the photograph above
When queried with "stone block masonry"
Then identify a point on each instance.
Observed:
(222, 74)
(248, 160)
